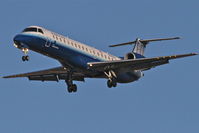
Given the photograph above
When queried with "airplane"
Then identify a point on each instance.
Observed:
(79, 61)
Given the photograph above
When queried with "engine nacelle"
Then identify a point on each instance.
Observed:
(129, 56)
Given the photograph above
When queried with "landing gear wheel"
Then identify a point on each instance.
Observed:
(69, 81)
(25, 58)
(109, 83)
(72, 88)
(114, 84)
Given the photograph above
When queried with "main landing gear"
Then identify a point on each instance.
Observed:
(112, 82)
(71, 87)
(26, 57)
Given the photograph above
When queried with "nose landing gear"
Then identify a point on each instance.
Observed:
(26, 57)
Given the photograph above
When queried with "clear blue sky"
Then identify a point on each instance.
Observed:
(164, 101)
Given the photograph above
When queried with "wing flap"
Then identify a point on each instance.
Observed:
(44, 78)
(147, 66)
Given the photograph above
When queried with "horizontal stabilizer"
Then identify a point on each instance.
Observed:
(144, 41)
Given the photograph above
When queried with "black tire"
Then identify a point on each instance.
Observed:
(70, 89)
(114, 83)
(74, 88)
(27, 58)
(109, 83)
(23, 58)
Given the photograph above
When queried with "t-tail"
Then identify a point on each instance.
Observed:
(140, 44)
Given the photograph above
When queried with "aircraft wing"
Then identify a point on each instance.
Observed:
(135, 64)
(53, 74)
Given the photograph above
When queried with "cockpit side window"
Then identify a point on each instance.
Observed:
(30, 30)
(40, 30)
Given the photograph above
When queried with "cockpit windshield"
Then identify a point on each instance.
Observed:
(33, 30)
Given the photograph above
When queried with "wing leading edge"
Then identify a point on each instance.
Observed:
(136, 64)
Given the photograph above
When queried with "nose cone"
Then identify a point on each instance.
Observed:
(21, 41)
(20, 38)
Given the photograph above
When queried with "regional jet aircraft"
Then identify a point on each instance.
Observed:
(80, 61)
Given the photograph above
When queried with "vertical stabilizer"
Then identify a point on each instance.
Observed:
(139, 47)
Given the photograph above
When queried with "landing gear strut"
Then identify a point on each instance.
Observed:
(112, 82)
(71, 87)
(26, 57)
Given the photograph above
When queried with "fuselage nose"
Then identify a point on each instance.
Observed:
(22, 40)
(17, 40)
